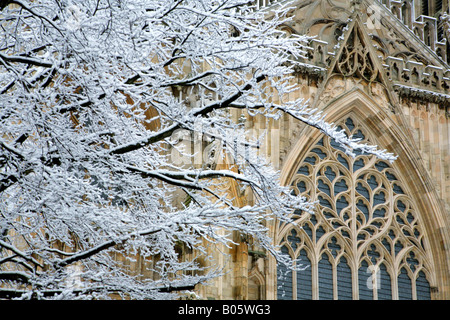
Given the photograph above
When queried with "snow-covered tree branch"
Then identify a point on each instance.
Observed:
(92, 95)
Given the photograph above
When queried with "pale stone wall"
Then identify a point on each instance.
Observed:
(427, 127)
(402, 99)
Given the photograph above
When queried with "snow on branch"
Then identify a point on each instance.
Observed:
(119, 144)
(315, 118)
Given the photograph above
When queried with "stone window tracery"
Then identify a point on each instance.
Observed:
(365, 240)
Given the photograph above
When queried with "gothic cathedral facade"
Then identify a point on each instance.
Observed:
(380, 69)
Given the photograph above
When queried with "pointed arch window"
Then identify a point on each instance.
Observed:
(365, 239)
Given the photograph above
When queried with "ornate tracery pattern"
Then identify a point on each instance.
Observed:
(355, 59)
(365, 240)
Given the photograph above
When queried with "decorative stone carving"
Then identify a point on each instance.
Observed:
(355, 59)
(365, 226)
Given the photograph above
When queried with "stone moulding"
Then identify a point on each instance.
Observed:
(443, 100)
